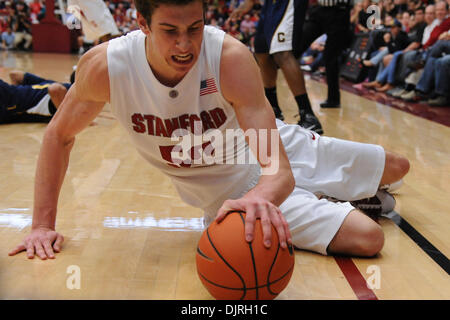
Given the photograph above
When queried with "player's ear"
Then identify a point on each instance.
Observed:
(143, 23)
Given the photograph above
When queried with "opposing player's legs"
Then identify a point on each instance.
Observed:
(269, 71)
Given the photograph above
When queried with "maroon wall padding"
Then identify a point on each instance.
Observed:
(50, 35)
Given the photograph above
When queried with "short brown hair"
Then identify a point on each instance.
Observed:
(147, 7)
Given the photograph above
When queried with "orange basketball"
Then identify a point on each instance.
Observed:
(232, 268)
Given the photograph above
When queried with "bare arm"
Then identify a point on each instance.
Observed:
(242, 86)
(82, 103)
(243, 8)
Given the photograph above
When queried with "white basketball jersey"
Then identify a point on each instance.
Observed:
(151, 113)
(96, 19)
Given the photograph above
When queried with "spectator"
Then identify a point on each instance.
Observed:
(363, 17)
(443, 23)
(35, 10)
(442, 79)
(354, 16)
(7, 39)
(246, 24)
(22, 27)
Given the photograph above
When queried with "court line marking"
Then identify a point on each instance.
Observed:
(420, 240)
(355, 279)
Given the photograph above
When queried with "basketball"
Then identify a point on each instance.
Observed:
(231, 268)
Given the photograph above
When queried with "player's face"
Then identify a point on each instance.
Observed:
(176, 34)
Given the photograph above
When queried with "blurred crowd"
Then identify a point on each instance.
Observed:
(16, 18)
(407, 56)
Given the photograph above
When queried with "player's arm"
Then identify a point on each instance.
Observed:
(82, 103)
(242, 86)
(243, 8)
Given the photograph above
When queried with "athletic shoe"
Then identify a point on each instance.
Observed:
(410, 96)
(439, 101)
(310, 122)
(393, 91)
(330, 104)
(392, 187)
(398, 93)
(306, 68)
(383, 202)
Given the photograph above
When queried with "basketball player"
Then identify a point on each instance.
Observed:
(96, 19)
(176, 73)
(30, 98)
(276, 44)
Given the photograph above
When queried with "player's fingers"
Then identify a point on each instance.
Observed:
(228, 205)
(278, 224)
(17, 249)
(250, 218)
(39, 250)
(266, 225)
(287, 230)
(30, 250)
(48, 249)
(58, 243)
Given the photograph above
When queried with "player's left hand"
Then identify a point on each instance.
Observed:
(256, 207)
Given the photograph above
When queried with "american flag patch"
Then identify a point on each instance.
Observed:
(207, 86)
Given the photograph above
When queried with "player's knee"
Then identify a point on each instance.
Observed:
(397, 166)
(57, 90)
(283, 57)
(404, 166)
(371, 240)
(401, 166)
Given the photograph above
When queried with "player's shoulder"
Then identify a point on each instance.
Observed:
(238, 69)
(234, 55)
(233, 48)
(92, 77)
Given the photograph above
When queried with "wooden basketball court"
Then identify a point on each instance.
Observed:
(129, 236)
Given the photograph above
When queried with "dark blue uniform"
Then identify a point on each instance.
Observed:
(272, 14)
(15, 101)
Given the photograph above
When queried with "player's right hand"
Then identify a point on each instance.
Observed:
(43, 242)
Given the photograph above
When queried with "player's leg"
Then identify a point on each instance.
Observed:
(343, 170)
(57, 93)
(337, 38)
(330, 228)
(31, 79)
(395, 168)
(8, 96)
(268, 69)
(282, 48)
(358, 235)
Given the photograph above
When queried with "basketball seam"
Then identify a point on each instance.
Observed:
(200, 252)
(253, 258)
(270, 270)
(251, 288)
(229, 266)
